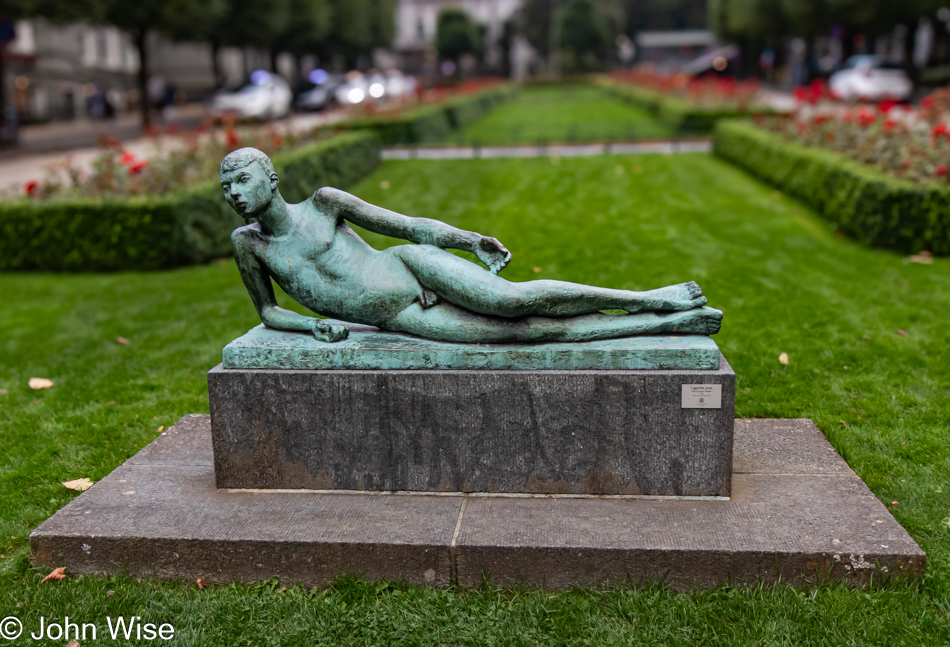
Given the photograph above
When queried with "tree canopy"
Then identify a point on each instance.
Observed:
(456, 35)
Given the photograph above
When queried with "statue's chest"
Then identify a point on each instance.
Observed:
(300, 252)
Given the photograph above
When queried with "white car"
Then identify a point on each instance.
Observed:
(267, 96)
(869, 77)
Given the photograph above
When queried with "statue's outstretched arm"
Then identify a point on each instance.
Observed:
(258, 284)
(424, 231)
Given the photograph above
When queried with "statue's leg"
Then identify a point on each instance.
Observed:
(448, 322)
(474, 288)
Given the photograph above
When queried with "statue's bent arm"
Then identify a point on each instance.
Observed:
(417, 230)
(258, 284)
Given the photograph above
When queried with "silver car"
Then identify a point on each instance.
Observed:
(267, 96)
(870, 78)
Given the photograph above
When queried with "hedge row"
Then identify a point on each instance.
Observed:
(189, 226)
(432, 123)
(679, 114)
(861, 201)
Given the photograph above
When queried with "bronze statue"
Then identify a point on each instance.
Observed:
(311, 252)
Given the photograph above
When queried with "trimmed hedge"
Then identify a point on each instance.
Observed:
(861, 201)
(433, 123)
(679, 114)
(192, 225)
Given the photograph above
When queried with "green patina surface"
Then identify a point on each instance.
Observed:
(372, 348)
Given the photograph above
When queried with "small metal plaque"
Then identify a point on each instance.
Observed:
(702, 396)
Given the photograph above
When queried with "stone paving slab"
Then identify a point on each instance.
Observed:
(550, 150)
(797, 513)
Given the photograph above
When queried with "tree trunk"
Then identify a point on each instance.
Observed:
(216, 64)
(273, 61)
(3, 84)
(910, 44)
(141, 43)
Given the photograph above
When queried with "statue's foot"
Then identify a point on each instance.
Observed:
(674, 298)
(701, 321)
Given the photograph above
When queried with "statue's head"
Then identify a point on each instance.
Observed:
(249, 181)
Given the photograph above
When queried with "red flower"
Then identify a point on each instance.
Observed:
(887, 105)
(820, 119)
(927, 102)
(889, 124)
(137, 167)
(830, 136)
(866, 118)
(31, 186)
(941, 170)
(127, 158)
(939, 129)
(277, 142)
(231, 138)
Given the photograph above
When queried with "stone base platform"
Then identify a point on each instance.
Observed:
(797, 513)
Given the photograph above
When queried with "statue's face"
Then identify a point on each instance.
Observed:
(248, 189)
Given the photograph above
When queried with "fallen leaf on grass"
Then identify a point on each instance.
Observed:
(893, 503)
(902, 333)
(37, 383)
(843, 423)
(109, 594)
(80, 485)
(783, 359)
(201, 583)
(57, 574)
(920, 258)
(161, 429)
(866, 337)
(3, 391)
(536, 270)
(72, 643)
(111, 403)
(122, 340)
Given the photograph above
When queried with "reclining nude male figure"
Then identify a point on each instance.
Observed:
(311, 252)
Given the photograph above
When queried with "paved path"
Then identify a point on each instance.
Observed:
(565, 150)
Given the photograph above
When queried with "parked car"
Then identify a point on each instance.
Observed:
(870, 78)
(319, 92)
(267, 96)
(354, 90)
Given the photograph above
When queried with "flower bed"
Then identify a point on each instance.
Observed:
(862, 201)
(908, 143)
(82, 230)
(687, 106)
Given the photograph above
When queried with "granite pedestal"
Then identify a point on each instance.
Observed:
(797, 514)
(607, 417)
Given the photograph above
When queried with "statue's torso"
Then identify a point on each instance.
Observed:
(326, 267)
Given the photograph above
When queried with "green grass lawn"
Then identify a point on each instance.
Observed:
(786, 284)
(562, 114)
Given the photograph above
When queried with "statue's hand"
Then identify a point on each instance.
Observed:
(329, 332)
(492, 253)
